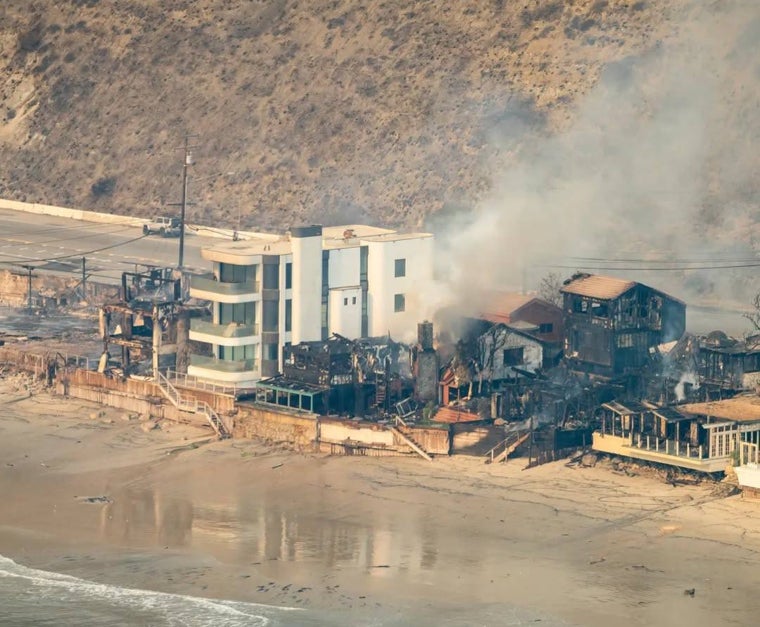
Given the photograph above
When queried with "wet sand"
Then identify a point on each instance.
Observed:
(88, 493)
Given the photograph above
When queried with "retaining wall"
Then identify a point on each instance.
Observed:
(295, 428)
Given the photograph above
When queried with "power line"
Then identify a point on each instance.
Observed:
(654, 268)
(675, 261)
(90, 225)
(77, 254)
(67, 239)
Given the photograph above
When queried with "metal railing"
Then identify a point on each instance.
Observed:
(190, 381)
(194, 406)
(667, 446)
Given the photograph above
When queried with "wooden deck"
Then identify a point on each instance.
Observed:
(616, 445)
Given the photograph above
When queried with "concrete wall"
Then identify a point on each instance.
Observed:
(369, 433)
(344, 267)
(383, 285)
(475, 439)
(296, 429)
(14, 288)
(73, 214)
(307, 285)
(345, 312)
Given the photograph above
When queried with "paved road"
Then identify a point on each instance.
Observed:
(48, 243)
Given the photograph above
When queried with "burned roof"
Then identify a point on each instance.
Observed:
(285, 384)
(631, 407)
(719, 342)
(743, 408)
(669, 414)
(597, 286)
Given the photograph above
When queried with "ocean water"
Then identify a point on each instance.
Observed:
(33, 597)
(36, 597)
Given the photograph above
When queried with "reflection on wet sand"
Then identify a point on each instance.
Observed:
(147, 518)
(258, 530)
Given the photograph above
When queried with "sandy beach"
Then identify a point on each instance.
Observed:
(88, 492)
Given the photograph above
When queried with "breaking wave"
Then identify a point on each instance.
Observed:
(30, 596)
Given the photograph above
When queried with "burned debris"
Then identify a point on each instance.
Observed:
(365, 377)
(146, 330)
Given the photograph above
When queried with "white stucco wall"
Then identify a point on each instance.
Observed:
(343, 268)
(307, 289)
(384, 285)
(345, 315)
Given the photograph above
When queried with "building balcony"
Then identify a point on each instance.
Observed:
(232, 334)
(206, 287)
(242, 372)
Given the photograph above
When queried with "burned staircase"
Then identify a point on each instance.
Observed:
(193, 406)
(407, 439)
(381, 392)
(508, 445)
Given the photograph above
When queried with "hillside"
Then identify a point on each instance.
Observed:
(529, 135)
(322, 110)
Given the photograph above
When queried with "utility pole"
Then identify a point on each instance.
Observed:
(29, 291)
(188, 161)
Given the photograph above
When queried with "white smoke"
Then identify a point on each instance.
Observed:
(680, 389)
(656, 165)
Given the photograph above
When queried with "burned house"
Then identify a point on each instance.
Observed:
(699, 436)
(611, 324)
(147, 329)
(341, 376)
(493, 358)
(544, 319)
(729, 364)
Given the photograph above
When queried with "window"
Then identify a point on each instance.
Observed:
(271, 276)
(242, 313)
(353, 300)
(400, 267)
(288, 275)
(513, 356)
(288, 315)
(236, 353)
(399, 303)
(545, 327)
(270, 318)
(270, 352)
(229, 273)
(345, 302)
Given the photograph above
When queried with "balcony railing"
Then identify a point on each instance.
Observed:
(207, 283)
(224, 365)
(233, 329)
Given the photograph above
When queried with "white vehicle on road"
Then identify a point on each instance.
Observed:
(163, 226)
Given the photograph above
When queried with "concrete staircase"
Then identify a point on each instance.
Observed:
(508, 446)
(193, 406)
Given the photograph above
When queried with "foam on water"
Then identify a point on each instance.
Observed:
(36, 596)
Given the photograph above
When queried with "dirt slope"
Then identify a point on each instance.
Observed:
(327, 110)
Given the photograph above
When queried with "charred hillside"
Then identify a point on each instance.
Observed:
(324, 111)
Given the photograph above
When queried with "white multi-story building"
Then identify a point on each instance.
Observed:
(268, 291)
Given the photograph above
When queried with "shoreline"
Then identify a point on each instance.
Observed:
(237, 520)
